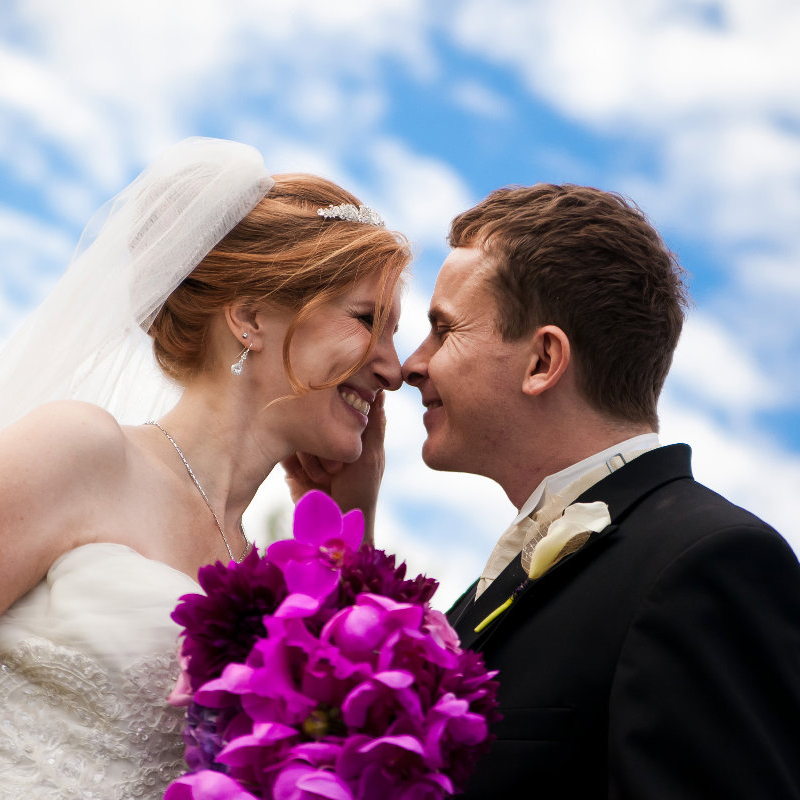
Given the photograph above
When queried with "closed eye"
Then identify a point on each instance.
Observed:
(439, 328)
(367, 320)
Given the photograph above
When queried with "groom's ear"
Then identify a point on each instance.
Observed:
(549, 358)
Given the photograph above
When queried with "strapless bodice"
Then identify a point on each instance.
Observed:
(87, 658)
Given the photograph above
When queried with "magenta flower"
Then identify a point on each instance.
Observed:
(362, 629)
(311, 562)
(348, 685)
(302, 782)
(207, 785)
(441, 631)
(311, 776)
(206, 732)
(181, 694)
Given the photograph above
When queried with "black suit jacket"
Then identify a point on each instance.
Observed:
(660, 661)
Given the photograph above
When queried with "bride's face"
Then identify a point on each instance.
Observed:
(329, 422)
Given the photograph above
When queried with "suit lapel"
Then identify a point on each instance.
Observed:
(621, 490)
(499, 590)
(629, 485)
(513, 577)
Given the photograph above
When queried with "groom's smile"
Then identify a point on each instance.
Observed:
(469, 378)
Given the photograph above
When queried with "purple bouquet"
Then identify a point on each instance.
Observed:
(319, 671)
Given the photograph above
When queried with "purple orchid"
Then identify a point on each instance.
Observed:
(346, 685)
(311, 562)
(207, 785)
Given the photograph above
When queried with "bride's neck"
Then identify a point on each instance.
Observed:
(229, 456)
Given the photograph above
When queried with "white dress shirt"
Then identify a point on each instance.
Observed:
(511, 542)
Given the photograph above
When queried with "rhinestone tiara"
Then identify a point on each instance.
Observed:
(351, 213)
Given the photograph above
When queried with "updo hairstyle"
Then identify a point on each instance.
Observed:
(285, 254)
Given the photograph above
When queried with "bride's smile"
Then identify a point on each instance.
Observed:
(354, 401)
(325, 348)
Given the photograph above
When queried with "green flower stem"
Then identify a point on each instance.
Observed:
(494, 615)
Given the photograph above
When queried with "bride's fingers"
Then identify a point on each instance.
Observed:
(330, 466)
(296, 478)
(376, 428)
(314, 468)
(292, 468)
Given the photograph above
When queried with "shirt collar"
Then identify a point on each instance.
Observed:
(628, 449)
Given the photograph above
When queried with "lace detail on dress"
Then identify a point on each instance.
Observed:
(71, 729)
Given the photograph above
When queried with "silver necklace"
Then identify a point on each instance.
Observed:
(204, 496)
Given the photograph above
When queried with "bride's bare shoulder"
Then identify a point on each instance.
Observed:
(71, 412)
(61, 468)
(66, 434)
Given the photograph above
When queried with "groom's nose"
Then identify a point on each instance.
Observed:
(415, 367)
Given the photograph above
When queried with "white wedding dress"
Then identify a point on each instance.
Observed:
(87, 659)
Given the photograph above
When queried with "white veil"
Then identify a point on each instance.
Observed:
(87, 340)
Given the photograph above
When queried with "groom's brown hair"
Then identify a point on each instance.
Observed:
(589, 262)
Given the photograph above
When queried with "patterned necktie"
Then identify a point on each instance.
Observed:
(523, 535)
(540, 521)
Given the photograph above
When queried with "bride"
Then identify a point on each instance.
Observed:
(271, 302)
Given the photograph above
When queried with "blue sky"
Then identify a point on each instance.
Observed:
(690, 107)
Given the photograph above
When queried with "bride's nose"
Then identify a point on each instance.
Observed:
(386, 366)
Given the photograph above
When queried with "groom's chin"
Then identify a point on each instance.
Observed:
(434, 458)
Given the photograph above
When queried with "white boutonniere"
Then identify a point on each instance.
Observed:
(564, 535)
(567, 534)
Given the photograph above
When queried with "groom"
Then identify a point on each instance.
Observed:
(658, 656)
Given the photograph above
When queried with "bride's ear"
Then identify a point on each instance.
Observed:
(245, 321)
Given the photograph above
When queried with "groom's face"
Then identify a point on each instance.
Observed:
(469, 378)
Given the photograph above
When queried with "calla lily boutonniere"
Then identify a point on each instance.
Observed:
(564, 535)
(567, 534)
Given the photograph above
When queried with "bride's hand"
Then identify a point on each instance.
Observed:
(352, 485)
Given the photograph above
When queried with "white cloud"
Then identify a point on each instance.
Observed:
(773, 272)
(734, 181)
(106, 89)
(421, 195)
(639, 64)
(414, 323)
(714, 366)
(748, 468)
(44, 103)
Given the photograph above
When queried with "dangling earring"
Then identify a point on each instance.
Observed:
(238, 366)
